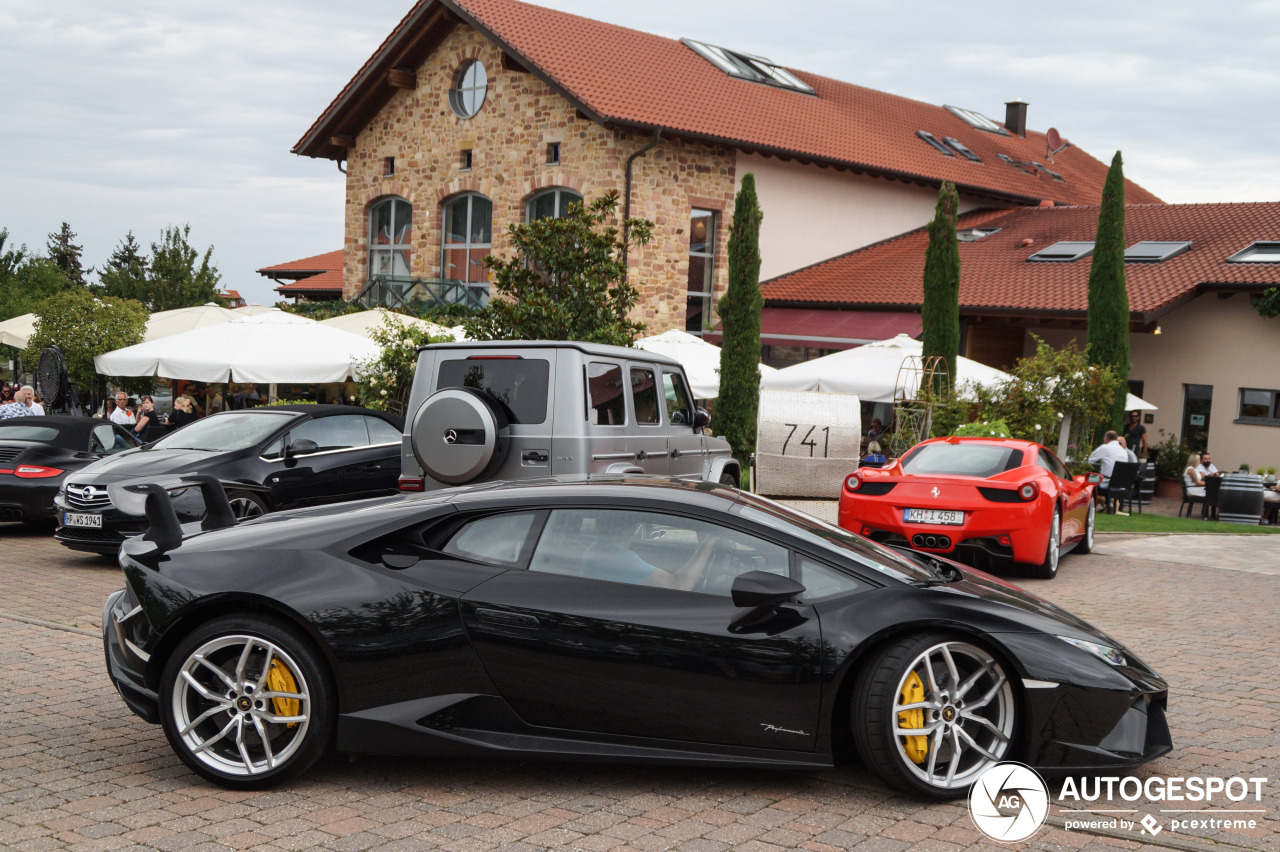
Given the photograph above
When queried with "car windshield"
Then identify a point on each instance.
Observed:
(235, 430)
(963, 459)
(25, 432)
(832, 539)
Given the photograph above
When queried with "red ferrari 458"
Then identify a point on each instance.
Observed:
(980, 500)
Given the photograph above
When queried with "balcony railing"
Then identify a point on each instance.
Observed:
(390, 291)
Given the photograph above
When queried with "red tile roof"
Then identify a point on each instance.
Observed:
(624, 77)
(321, 273)
(995, 276)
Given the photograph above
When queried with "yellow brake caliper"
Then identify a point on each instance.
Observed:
(917, 748)
(280, 679)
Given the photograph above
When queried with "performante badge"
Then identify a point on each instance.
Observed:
(1009, 802)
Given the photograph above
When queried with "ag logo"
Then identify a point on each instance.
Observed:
(1009, 802)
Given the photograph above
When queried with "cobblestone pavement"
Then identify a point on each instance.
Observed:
(78, 771)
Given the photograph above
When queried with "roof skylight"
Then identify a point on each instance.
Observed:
(1154, 251)
(1259, 252)
(744, 66)
(963, 149)
(1025, 168)
(972, 235)
(1065, 251)
(977, 119)
(933, 140)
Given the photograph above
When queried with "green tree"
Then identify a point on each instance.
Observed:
(65, 254)
(125, 273)
(740, 309)
(940, 309)
(83, 325)
(1108, 338)
(175, 279)
(25, 279)
(567, 280)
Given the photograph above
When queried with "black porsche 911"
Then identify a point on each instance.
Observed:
(281, 457)
(643, 620)
(38, 453)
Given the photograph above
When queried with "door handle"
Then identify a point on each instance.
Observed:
(508, 619)
(675, 454)
(533, 456)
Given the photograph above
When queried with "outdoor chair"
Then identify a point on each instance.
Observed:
(1212, 487)
(1188, 500)
(1143, 490)
(1124, 475)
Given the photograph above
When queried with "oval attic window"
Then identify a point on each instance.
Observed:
(469, 88)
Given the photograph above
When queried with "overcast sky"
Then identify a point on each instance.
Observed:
(118, 117)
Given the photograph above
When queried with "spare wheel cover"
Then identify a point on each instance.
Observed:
(456, 434)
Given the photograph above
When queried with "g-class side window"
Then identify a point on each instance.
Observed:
(679, 409)
(606, 399)
(644, 395)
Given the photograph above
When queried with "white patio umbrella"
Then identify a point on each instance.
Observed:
(18, 330)
(267, 348)
(252, 310)
(164, 323)
(700, 359)
(1137, 403)
(871, 371)
(365, 322)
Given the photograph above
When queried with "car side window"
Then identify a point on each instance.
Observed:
(108, 439)
(341, 432)
(494, 539)
(821, 581)
(679, 409)
(606, 405)
(1050, 462)
(644, 395)
(652, 549)
(381, 432)
(274, 450)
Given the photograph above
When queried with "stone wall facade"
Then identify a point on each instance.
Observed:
(508, 139)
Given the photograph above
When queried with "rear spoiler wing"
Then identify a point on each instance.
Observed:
(150, 497)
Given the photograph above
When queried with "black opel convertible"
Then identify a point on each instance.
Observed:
(279, 457)
(631, 620)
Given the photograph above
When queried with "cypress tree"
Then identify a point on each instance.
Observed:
(940, 308)
(1108, 341)
(740, 309)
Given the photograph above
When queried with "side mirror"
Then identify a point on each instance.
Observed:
(759, 589)
(701, 419)
(1093, 478)
(301, 447)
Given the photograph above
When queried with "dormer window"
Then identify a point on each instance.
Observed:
(1155, 251)
(1063, 252)
(1259, 252)
(744, 66)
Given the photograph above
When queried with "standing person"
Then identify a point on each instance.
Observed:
(1206, 466)
(37, 402)
(147, 420)
(27, 396)
(213, 401)
(1135, 434)
(121, 413)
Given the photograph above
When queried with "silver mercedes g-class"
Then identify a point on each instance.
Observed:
(523, 409)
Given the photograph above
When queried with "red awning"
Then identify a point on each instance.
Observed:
(831, 329)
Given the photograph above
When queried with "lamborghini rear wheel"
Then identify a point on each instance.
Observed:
(932, 712)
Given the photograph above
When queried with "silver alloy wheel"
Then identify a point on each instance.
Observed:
(968, 714)
(1088, 526)
(225, 712)
(1055, 545)
(245, 507)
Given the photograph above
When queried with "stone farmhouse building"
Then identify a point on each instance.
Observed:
(1199, 349)
(474, 115)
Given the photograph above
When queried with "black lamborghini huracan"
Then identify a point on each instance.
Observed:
(642, 619)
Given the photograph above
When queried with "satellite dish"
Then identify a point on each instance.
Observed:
(1053, 143)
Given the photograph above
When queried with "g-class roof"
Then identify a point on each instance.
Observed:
(598, 349)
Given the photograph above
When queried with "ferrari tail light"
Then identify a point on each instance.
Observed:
(854, 482)
(35, 471)
(409, 483)
(1029, 491)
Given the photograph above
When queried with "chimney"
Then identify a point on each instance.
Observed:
(1015, 117)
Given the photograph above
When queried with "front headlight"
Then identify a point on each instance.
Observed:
(1103, 652)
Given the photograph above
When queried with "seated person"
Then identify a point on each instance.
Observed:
(1107, 455)
(1133, 457)
(876, 429)
(611, 558)
(1192, 476)
(1206, 466)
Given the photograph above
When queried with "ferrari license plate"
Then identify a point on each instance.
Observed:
(933, 516)
(81, 519)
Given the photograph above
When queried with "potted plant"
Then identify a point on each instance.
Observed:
(1171, 458)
